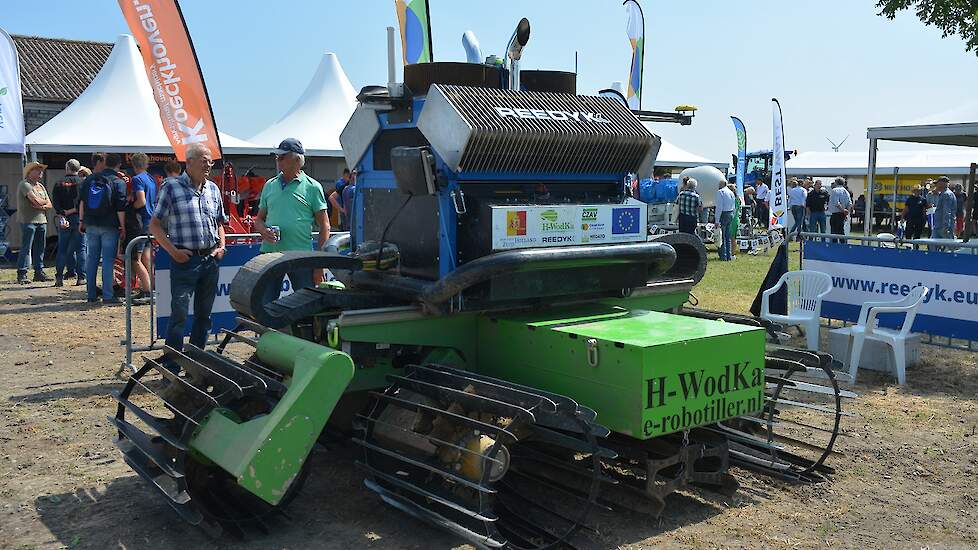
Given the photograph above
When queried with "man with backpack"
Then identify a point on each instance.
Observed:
(102, 207)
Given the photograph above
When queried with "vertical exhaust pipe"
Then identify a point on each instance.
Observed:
(514, 51)
(392, 86)
(473, 54)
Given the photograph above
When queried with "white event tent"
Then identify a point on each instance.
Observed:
(319, 115)
(672, 156)
(930, 162)
(117, 112)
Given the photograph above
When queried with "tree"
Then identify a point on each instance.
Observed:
(953, 17)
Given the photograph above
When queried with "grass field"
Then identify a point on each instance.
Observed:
(727, 286)
(731, 286)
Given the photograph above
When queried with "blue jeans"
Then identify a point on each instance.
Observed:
(817, 222)
(103, 244)
(298, 279)
(71, 249)
(32, 246)
(798, 214)
(725, 247)
(197, 277)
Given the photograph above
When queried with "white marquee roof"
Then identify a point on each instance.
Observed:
(931, 162)
(320, 113)
(671, 155)
(955, 126)
(117, 112)
(963, 133)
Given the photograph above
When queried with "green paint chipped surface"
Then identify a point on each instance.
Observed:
(319, 377)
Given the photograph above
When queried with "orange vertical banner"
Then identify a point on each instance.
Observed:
(174, 73)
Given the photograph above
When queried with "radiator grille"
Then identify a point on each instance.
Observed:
(488, 130)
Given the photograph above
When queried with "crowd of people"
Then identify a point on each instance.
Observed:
(99, 211)
(728, 204)
(933, 209)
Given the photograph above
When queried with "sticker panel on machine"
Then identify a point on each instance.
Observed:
(566, 225)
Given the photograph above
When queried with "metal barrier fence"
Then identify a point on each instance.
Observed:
(128, 274)
(949, 246)
(898, 242)
(153, 340)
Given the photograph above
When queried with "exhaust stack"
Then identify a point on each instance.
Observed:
(473, 53)
(394, 88)
(514, 51)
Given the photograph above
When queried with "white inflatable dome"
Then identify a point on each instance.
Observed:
(708, 181)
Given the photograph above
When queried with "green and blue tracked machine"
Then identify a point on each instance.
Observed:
(508, 348)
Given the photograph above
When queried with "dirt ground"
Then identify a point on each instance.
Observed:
(908, 477)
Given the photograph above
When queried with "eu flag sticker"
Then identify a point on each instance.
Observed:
(624, 220)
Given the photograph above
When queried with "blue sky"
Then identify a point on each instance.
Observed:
(835, 65)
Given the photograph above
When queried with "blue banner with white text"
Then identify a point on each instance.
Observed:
(870, 274)
(222, 314)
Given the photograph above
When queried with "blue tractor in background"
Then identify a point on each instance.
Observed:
(759, 165)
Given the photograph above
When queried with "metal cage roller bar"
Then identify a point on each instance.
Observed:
(476, 455)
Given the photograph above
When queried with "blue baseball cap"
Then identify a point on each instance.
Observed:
(289, 145)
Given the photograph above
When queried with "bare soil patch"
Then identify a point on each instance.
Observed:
(908, 477)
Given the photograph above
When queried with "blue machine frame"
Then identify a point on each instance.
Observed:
(369, 178)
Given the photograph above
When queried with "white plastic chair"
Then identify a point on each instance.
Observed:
(889, 236)
(866, 329)
(805, 292)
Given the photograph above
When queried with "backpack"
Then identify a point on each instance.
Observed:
(98, 197)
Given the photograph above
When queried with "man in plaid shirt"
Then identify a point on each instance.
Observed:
(188, 224)
(690, 206)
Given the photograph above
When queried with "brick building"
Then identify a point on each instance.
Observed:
(53, 73)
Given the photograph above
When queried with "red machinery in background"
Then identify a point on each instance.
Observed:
(241, 195)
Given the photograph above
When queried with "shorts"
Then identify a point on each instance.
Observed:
(138, 248)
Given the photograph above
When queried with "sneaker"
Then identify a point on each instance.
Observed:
(139, 295)
(22, 278)
(111, 301)
(58, 281)
(41, 277)
(70, 274)
(94, 300)
(79, 281)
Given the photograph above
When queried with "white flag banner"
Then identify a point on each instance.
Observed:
(635, 29)
(11, 106)
(779, 189)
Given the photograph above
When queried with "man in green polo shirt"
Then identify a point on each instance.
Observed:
(292, 201)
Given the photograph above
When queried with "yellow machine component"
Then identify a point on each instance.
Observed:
(473, 462)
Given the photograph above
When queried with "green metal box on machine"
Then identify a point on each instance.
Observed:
(647, 373)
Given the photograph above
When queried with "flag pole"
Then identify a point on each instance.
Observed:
(782, 175)
(427, 16)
